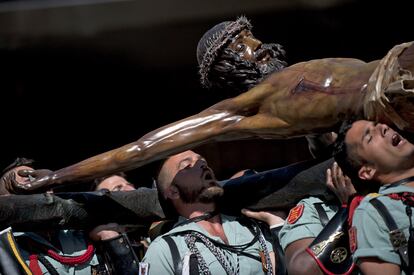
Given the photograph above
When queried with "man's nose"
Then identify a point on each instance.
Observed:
(382, 128)
(200, 164)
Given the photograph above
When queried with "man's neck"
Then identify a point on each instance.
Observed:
(400, 175)
(212, 225)
(192, 210)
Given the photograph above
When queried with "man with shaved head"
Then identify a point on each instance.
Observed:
(203, 241)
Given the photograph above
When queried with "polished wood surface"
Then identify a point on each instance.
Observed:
(308, 97)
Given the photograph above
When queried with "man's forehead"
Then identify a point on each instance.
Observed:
(355, 134)
(183, 156)
(113, 179)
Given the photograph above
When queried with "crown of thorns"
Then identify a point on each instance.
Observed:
(213, 41)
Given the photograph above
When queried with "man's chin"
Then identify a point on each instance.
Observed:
(211, 194)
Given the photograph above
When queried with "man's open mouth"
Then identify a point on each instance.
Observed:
(208, 176)
(396, 140)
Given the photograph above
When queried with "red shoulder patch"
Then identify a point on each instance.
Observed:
(295, 213)
(352, 239)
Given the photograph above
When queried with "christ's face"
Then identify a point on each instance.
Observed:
(249, 48)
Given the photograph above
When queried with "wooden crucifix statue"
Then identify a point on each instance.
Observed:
(274, 101)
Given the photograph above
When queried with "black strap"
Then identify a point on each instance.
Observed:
(394, 232)
(250, 224)
(237, 249)
(400, 182)
(193, 261)
(194, 265)
(174, 253)
(389, 220)
(323, 217)
(173, 246)
(203, 217)
(52, 270)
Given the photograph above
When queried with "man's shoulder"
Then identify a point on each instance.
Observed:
(311, 201)
(366, 202)
(367, 210)
(158, 248)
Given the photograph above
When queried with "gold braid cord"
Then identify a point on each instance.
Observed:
(389, 90)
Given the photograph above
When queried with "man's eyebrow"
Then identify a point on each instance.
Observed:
(183, 160)
(368, 130)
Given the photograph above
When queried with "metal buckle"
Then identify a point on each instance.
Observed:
(398, 239)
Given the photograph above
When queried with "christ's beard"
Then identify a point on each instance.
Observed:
(274, 64)
(233, 74)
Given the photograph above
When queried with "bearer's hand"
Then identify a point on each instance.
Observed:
(339, 183)
(270, 217)
(106, 231)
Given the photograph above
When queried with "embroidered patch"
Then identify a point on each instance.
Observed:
(352, 239)
(295, 213)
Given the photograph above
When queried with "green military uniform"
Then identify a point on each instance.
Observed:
(372, 232)
(72, 243)
(307, 224)
(160, 258)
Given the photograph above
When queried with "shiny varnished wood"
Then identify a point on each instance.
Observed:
(308, 97)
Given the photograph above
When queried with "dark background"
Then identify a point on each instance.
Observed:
(72, 86)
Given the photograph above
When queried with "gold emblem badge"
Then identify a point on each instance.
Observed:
(338, 255)
(319, 247)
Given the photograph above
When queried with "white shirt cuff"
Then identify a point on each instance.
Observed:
(277, 225)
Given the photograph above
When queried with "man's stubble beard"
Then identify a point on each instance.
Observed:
(211, 194)
(203, 195)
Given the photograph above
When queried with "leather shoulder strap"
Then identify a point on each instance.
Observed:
(397, 237)
(385, 214)
(323, 217)
(174, 253)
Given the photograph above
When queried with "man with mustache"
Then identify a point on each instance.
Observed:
(204, 241)
(372, 153)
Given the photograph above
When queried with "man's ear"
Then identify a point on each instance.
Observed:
(367, 172)
(172, 192)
